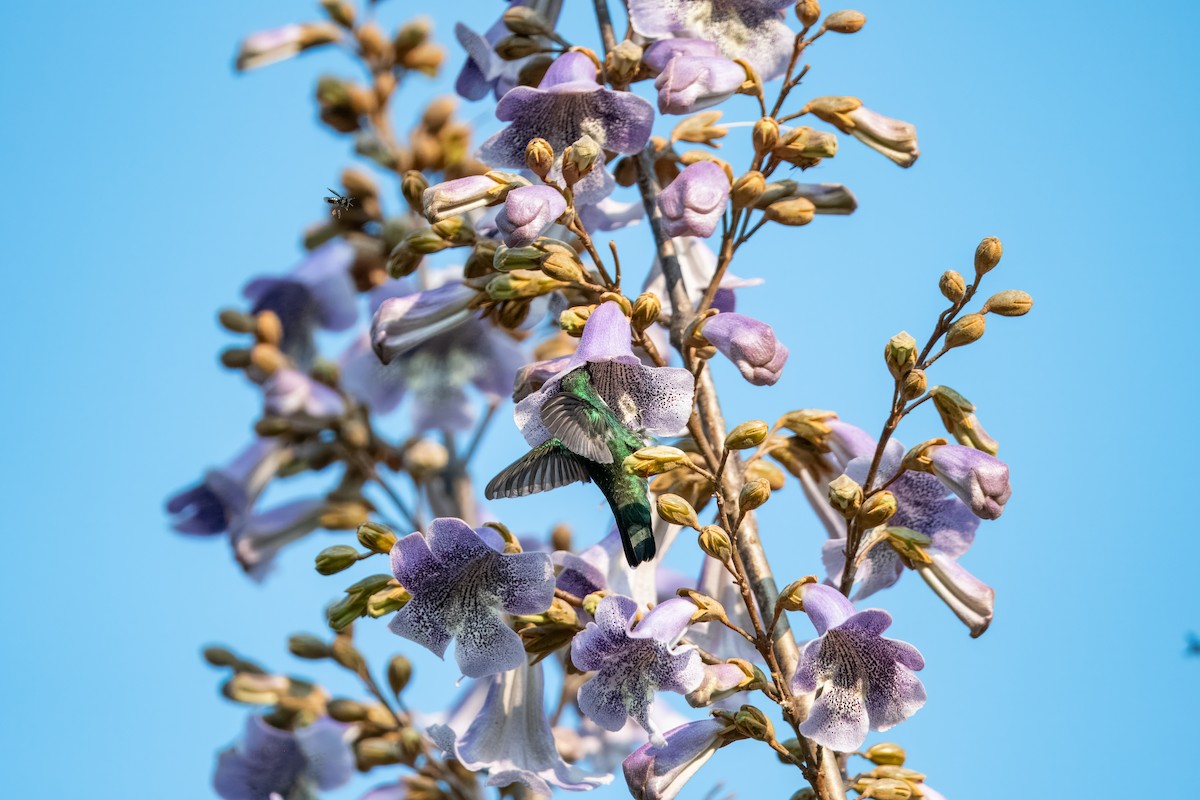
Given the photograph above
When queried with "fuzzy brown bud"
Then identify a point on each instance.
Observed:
(526, 21)
(747, 189)
(900, 354)
(539, 157)
(399, 673)
(888, 753)
(305, 645)
(987, 255)
(715, 542)
(845, 21)
(845, 495)
(877, 509)
(646, 310)
(754, 723)
(517, 46)
(914, 384)
(766, 135)
(965, 330)
(1010, 303)
(579, 159)
(796, 211)
(808, 12)
(952, 286)
(622, 63)
(754, 494)
(746, 435)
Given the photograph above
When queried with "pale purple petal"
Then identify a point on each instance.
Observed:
(379, 386)
(484, 645)
(289, 393)
(698, 264)
(971, 600)
(526, 583)
(660, 773)
(693, 203)
(330, 762)
(527, 212)
(666, 622)
(659, 54)
(749, 344)
(838, 719)
(688, 84)
(258, 537)
(826, 607)
(981, 480)
(227, 493)
(402, 323)
(423, 623)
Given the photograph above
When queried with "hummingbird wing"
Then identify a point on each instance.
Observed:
(579, 425)
(545, 467)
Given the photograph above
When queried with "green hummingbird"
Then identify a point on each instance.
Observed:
(589, 443)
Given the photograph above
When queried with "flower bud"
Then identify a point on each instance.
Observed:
(654, 460)
(413, 187)
(809, 424)
(900, 353)
(802, 146)
(845, 21)
(235, 321)
(256, 689)
(622, 63)
(521, 284)
(399, 673)
(645, 312)
(845, 495)
(526, 21)
(792, 596)
(1010, 303)
(808, 12)
(987, 255)
(965, 330)
(402, 261)
(376, 751)
(766, 135)
(425, 242)
(539, 155)
(346, 654)
(959, 421)
(876, 510)
(952, 285)
(897, 772)
(748, 434)
(267, 328)
(220, 657)
(886, 789)
(699, 128)
(747, 189)
(376, 537)
(267, 358)
(914, 385)
(305, 645)
(334, 559)
(754, 494)
(715, 542)
(563, 267)
(517, 46)
(592, 601)
(677, 511)
(796, 211)
(579, 159)
(754, 723)
(574, 318)
(456, 231)
(886, 753)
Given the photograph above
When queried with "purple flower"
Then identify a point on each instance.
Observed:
(603, 566)
(922, 505)
(693, 203)
(609, 214)
(660, 773)
(510, 737)
(484, 71)
(266, 47)
(225, 494)
(291, 393)
(698, 264)
(981, 480)
(460, 588)
(633, 662)
(527, 212)
(270, 762)
(566, 105)
(865, 681)
(258, 537)
(432, 347)
(461, 195)
(753, 30)
(692, 75)
(653, 399)
(318, 293)
(749, 344)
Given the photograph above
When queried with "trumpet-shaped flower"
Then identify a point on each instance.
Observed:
(659, 773)
(291, 393)
(653, 399)
(693, 203)
(318, 293)
(510, 737)
(862, 681)
(227, 493)
(753, 30)
(527, 212)
(633, 661)
(979, 479)
(269, 762)
(258, 537)
(460, 586)
(749, 344)
(692, 75)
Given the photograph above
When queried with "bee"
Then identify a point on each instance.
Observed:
(339, 203)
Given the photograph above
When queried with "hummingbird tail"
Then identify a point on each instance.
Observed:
(637, 536)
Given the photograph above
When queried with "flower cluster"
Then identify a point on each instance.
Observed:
(493, 283)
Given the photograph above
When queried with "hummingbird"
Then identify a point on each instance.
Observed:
(589, 444)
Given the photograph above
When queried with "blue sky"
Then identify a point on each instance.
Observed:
(146, 182)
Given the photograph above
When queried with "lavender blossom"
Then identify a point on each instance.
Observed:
(258, 537)
(318, 293)
(633, 662)
(692, 75)
(753, 30)
(653, 399)
(227, 493)
(568, 104)
(527, 212)
(277, 44)
(981, 480)
(865, 681)
(484, 71)
(660, 773)
(693, 203)
(510, 737)
(749, 344)
(460, 588)
(269, 762)
(291, 393)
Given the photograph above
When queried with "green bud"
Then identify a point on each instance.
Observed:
(677, 511)
(344, 710)
(592, 601)
(220, 657)
(376, 537)
(525, 21)
(900, 354)
(425, 242)
(646, 310)
(345, 611)
(886, 789)
(886, 753)
(334, 559)
(237, 322)
(845, 495)
(754, 493)
(654, 460)
(376, 752)
(580, 159)
(305, 645)
(747, 435)
(877, 509)
(399, 673)
(753, 723)
(792, 596)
